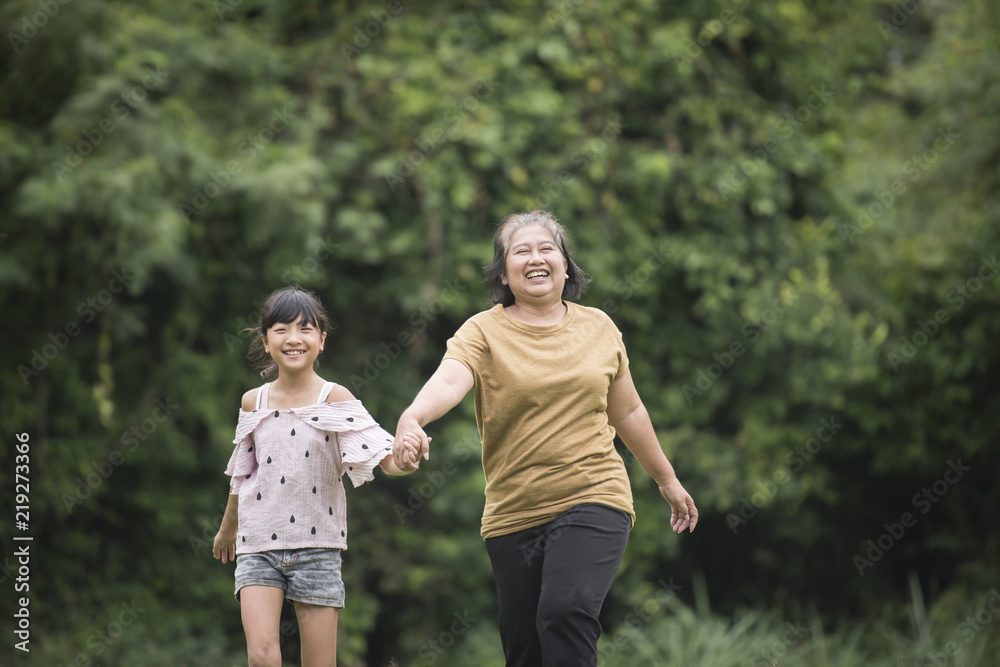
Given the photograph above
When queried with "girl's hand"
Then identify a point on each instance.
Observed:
(683, 513)
(224, 547)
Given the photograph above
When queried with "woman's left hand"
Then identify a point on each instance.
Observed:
(683, 513)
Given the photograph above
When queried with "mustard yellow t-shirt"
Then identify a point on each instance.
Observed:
(541, 395)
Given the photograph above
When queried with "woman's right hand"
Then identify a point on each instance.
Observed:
(407, 451)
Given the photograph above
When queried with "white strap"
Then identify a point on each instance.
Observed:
(325, 391)
(262, 395)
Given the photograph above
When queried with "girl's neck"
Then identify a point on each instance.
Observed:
(294, 390)
(538, 315)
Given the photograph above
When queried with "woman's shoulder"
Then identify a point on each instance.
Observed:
(592, 314)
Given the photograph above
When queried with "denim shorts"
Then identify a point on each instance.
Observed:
(306, 575)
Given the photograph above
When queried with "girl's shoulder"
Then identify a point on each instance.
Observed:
(250, 400)
(339, 393)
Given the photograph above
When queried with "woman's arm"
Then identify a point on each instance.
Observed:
(628, 416)
(443, 391)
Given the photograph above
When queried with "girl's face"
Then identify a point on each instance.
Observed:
(294, 346)
(535, 269)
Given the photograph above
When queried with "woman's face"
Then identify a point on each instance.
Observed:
(535, 270)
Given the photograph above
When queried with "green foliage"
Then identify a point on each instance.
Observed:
(796, 326)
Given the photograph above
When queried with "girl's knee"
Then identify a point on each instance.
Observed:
(264, 654)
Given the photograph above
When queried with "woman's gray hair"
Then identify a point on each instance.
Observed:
(500, 293)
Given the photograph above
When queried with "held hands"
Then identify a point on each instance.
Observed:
(224, 547)
(410, 445)
(683, 513)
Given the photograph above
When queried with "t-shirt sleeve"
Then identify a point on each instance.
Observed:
(619, 347)
(468, 346)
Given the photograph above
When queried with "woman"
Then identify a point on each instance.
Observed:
(552, 387)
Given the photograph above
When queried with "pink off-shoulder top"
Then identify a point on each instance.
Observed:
(288, 466)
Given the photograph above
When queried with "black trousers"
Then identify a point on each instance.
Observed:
(551, 582)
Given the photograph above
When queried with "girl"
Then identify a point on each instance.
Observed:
(285, 522)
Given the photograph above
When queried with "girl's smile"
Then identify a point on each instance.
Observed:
(294, 345)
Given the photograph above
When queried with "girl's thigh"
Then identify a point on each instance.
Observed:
(318, 630)
(260, 607)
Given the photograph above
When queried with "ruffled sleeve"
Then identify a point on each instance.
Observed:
(243, 462)
(363, 443)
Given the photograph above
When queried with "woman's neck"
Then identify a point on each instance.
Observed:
(538, 315)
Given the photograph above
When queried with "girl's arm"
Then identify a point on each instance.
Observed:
(443, 391)
(224, 547)
(389, 467)
(628, 416)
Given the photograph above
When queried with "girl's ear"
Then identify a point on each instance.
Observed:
(322, 341)
(263, 339)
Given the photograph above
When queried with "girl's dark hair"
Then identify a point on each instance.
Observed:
(500, 293)
(284, 305)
